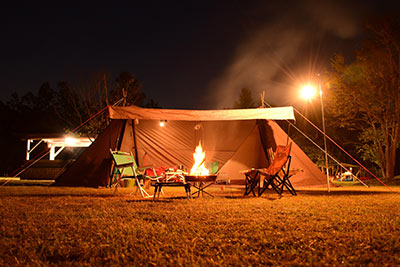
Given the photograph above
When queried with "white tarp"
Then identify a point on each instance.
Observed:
(134, 112)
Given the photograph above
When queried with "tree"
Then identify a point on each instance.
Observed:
(61, 110)
(129, 88)
(365, 95)
(32, 113)
(78, 103)
(245, 99)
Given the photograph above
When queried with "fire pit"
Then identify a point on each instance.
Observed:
(201, 182)
(200, 178)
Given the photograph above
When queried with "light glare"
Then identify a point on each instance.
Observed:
(70, 141)
(308, 92)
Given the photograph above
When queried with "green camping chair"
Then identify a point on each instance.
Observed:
(125, 167)
(213, 167)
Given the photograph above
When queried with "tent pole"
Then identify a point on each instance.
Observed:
(134, 142)
(262, 125)
(288, 133)
(121, 135)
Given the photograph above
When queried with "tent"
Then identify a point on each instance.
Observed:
(237, 139)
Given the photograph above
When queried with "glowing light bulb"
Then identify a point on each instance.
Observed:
(308, 92)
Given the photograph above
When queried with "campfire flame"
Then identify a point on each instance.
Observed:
(199, 167)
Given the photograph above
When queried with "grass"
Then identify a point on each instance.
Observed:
(350, 226)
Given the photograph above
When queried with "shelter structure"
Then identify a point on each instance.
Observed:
(56, 142)
(237, 139)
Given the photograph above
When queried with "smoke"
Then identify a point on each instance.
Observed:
(342, 20)
(273, 48)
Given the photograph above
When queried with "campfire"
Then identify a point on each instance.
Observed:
(199, 172)
(199, 166)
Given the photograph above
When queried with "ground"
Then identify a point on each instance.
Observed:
(351, 226)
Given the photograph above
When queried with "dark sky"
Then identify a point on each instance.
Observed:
(191, 54)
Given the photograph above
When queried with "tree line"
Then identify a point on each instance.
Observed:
(60, 109)
(364, 95)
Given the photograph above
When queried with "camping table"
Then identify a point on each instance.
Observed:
(252, 180)
(172, 178)
(201, 183)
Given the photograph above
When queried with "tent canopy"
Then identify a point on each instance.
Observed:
(236, 139)
(133, 112)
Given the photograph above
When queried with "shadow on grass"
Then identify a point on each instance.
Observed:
(161, 200)
(267, 197)
(343, 193)
(271, 195)
(149, 200)
(58, 195)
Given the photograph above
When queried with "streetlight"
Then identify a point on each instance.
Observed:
(308, 92)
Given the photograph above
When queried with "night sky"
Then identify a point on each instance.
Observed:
(192, 54)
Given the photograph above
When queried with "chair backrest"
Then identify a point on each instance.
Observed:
(125, 163)
(213, 167)
(281, 156)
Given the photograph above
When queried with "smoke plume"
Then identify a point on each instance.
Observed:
(274, 48)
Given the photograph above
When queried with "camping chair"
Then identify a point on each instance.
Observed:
(252, 181)
(125, 167)
(277, 174)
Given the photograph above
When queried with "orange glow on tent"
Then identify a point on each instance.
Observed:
(199, 167)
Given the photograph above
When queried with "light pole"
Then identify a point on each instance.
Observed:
(308, 92)
(323, 129)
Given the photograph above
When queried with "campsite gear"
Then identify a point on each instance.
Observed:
(201, 182)
(172, 177)
(237, 139)
(155, 171)
(177, 176)
(213, 167)
(252, 181)
(125, 167)
(277, 174)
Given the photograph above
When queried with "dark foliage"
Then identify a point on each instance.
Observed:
(60, 110)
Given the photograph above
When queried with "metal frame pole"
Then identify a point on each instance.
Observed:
(323, 129)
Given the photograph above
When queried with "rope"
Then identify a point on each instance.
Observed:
(27, 165)
(23, 166)
(34, 162)
(362, 166)
(95, 115)
(330, 156)
(320, 148)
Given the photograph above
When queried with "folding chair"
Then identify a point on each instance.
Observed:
(125, 167)
(277, 174)
(252, 181)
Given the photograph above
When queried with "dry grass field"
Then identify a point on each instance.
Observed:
(351, 226)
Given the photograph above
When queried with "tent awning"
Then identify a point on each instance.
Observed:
(134, 112)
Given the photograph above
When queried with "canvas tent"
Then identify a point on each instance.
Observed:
(236, 139)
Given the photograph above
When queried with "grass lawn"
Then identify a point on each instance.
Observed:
(351, 226)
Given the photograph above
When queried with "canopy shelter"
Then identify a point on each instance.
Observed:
(56, 143)
(236, 139)
(133, 112)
